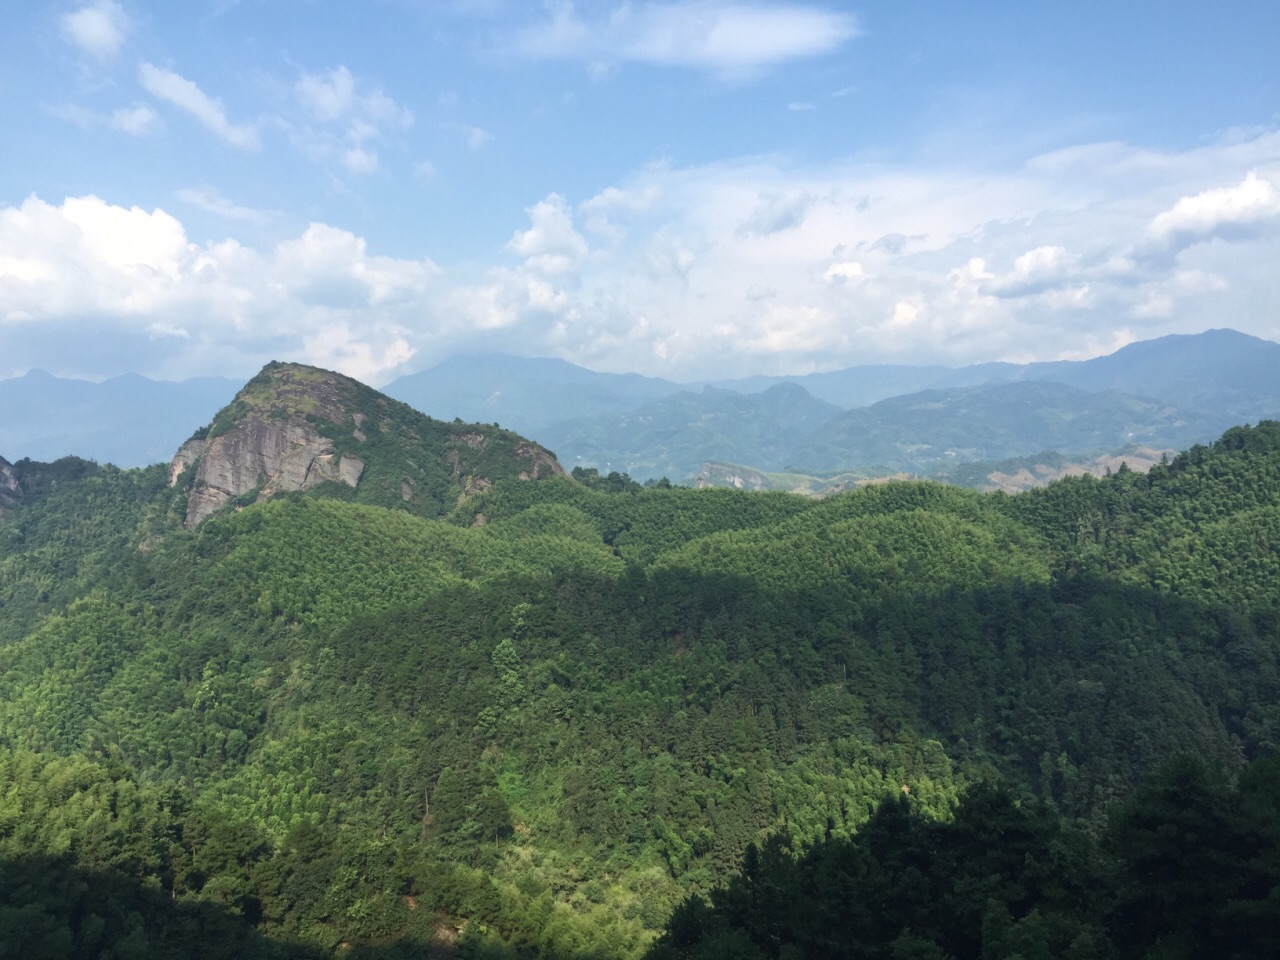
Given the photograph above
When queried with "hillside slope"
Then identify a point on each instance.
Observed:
(556, 711)
(937, 429)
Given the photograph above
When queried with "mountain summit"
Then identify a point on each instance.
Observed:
(294, 427)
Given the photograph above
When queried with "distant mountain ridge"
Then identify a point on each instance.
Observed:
(130, 421)
(650, 427)
(1216, 369)
(526, 394)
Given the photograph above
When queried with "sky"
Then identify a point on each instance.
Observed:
(691, 189)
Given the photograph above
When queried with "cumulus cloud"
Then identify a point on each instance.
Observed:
(551, 245)
(1227, 212)
(1036, 271)
(187, 96)
(883, 265)
(599, 212)
(98, 29)
(731, 39)
(132, 275)
(758, 266)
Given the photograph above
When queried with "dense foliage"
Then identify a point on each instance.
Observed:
(1189, 867)
(541, 723)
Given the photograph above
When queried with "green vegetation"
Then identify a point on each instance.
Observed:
(1187, 868)
(539, 723)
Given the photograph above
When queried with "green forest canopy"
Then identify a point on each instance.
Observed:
(543, 721)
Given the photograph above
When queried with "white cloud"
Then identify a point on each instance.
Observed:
(477, 138)
(844, 271)
(1224, 211)
(126, 275)
(98, 29)
(761, 266)
(211, 201)
(551, 245)
(905, 313)
(327, 96)
(341, 119)
(360, 161)
(1036, 271)
(185, 95)
(137, 120)
(843, 263)
(612, 199)
(731, 39)
(335, 97)
(340, 347)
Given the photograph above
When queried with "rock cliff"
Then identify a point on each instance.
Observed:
(298, 428)
(8, 479)
(10, 486)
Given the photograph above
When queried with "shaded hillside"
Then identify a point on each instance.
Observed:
(1222, 371)
(931, 431)
(525, 394)
(858, 386)
(673, 436)
(296, 428)
(1187, 869)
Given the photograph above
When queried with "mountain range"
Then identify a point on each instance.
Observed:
(868, 421)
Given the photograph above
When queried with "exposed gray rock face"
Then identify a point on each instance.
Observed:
(10, 486)
(10, 489)
(541, 463)
(188, 454)
(271, 456)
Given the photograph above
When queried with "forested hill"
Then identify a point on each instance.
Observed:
(535, 724)
(295, 428)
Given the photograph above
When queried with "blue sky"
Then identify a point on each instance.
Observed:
(686, 189)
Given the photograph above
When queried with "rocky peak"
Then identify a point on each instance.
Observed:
(268, 440)
(294, 427)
